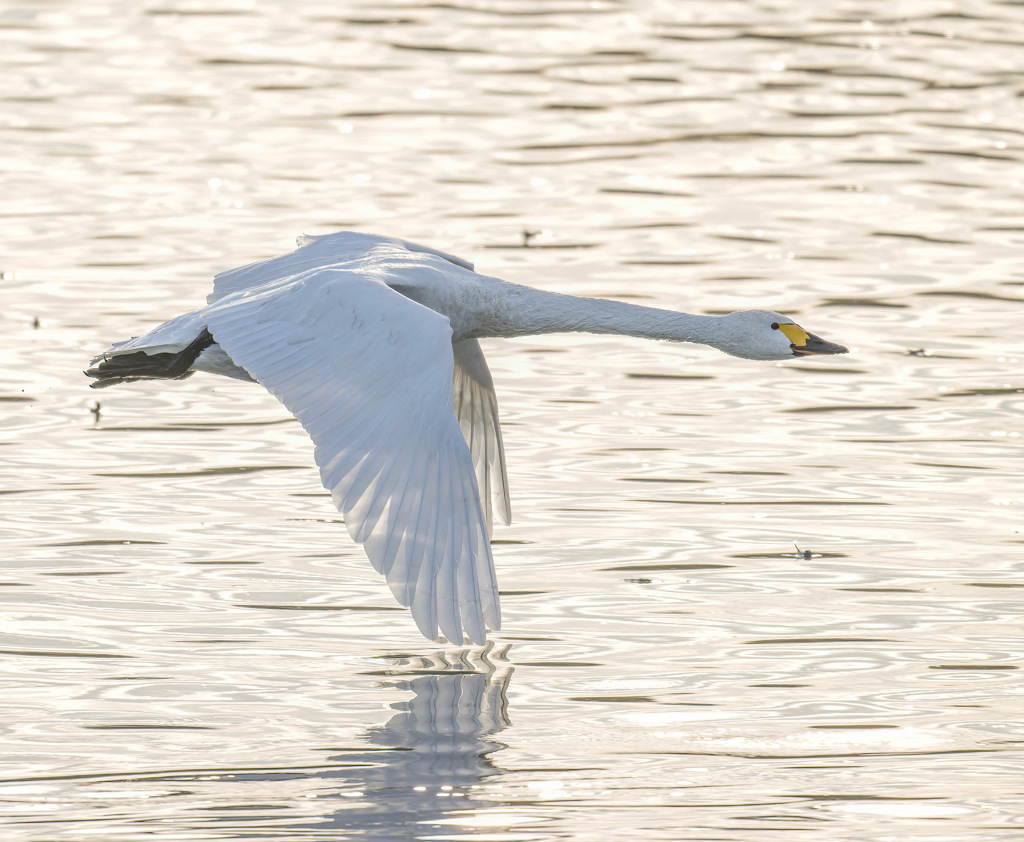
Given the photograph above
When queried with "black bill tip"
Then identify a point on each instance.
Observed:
(816, 345)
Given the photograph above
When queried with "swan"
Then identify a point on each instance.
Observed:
(372, 343)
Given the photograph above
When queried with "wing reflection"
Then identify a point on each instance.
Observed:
(434, 752)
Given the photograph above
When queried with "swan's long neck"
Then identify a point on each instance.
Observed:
(522, 311)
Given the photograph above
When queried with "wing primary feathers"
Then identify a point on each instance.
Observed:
(467, 581)
(399, 514)
(400, 573)
(373, 503)
(447, 584)
(426, 592)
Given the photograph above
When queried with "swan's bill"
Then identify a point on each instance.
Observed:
(813, 344)
(794, 333)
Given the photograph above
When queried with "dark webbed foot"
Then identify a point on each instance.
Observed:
(124, 368)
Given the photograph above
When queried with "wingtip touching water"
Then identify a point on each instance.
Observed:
(372, 343)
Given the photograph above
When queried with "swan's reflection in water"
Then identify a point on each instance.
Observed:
(434, 753)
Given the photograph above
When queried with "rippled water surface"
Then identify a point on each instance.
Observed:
(741, 600)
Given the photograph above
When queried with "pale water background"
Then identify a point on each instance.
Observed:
(192, 647)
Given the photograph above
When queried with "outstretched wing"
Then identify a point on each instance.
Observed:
(369, 374)
(476, 407)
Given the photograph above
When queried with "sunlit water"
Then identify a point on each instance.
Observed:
(193, 648)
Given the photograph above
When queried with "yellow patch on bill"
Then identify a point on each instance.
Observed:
(795, 334)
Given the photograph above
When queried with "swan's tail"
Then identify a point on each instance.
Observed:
(139, 365)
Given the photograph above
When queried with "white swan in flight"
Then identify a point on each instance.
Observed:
(372, 343)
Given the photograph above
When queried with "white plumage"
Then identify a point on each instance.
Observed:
(371, 342)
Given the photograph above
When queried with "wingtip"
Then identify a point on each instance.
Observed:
(505, 515)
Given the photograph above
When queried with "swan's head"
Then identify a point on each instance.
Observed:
(764, 335)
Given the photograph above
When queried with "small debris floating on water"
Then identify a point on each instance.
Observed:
(96, 410)
(807, 555)
(529, 235)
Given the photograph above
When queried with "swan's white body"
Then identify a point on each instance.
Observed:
(371, 342)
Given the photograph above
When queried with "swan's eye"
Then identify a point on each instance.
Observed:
(775, 325)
